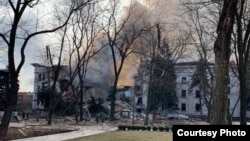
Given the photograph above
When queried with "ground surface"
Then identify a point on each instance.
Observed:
(128, 136)
(31, 127)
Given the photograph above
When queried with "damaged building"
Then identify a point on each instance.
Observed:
(191, 103)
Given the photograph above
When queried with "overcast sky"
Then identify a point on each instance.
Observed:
(33, 49)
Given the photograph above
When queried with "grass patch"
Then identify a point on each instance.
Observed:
(128, 136)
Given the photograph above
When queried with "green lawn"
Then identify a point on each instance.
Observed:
(128, 136)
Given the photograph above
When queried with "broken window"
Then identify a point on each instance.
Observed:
(40, 77)
(183, 106)
(197, 107)
(43, 76)
(197, 94)
(183, 93)
(139, 101)
(184, 80)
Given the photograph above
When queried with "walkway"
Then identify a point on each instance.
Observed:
(83, 131)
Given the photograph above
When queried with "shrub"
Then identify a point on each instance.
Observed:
(155, 128)
(148, 128)
(121, 127)
(130, 127)
(134, 128)
(137, 127)
(171, 128)
(167, 128)
(161, 128)
(143, 128)
(126, 127)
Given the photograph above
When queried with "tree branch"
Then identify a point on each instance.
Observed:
(12, 6)
(4, 38)
(46, 31)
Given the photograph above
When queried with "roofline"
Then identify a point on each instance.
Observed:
(39, 65)
(192, 63)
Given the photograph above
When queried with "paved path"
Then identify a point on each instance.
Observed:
(83, 131)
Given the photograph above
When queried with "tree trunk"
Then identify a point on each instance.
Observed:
(51, 111)
(243, 97)
(248, 82)
(222, 56)
(5, 122)
(219, 103)
(113, 99)
(242, 61)
(81, 104)
(209, 109)
(149, 101)
(76, 108)
(52, 103)
(229, 117)
(81, 95)
(148, 108)
(201, 109)
(12, 100)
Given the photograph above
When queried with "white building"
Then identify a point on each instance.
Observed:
(43, 78)
(141, 86)
(190, 102)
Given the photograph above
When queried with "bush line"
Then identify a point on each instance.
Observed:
(143, 128)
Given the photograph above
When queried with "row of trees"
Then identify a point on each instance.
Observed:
(16, 33)
(230, 20)
(87, 27)
(83, 28)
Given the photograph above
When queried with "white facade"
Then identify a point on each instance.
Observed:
(39, 77)
(190, 103)
(43, 76)
(141, 86)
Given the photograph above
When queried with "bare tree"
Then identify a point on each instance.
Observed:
(201, 30)
(85, 32)
(79, 40)
(121, 33)
(155, 46)
(14, 33)
(242, 48)
(222, 55)
(56, 68)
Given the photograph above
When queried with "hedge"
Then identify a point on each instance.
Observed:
(143, 128)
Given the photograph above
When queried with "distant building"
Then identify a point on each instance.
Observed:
(141, 86)
(24, 102)
(43, 79)
(191, 103)
(124, 93)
